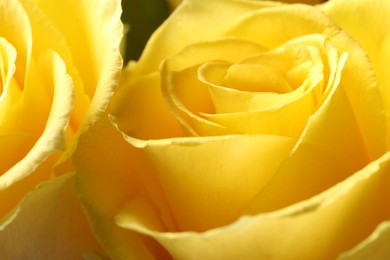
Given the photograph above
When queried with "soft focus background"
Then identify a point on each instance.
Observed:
(142, 17)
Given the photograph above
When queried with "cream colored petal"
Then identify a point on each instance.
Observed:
(319, 228)
(256, 77)
(16, 29)
(140, 109)
(376, 246)
(187, 97)
(52, 140)
(287, 119)
(108, 179)
(230, 100)
(298, 20)
(361, 88)
(180, 79)
(10, 92)
(93, 33)
(227, 49)
(208, 180)
(49, 224)
(180, 30)
(36, 98)
(47, 36)
(367, 22)
(331, 147)
(356, 103)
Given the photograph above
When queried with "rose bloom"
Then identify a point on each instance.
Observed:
(59, 63)
(247, 130)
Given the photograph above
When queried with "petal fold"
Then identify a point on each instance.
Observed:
(49, 223)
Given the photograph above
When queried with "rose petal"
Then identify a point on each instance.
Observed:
(367, 21)
(319, 228)
(47, 36)
(91, 34)
(140, 109)
(16, 29)
(376, 246)
(171, 37)
(301, 20)
(182, 88)
(204, 183)
(10, 93)
(104, 194)
(53, 138)
(333, 153)
(48, 223)
(297, 107)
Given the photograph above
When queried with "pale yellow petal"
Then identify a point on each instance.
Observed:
(185, 94)
(16, 28)
(34, 167)
(224, 49)
(319, 228)
(256, 77)
(361, 87)
(140, 109)
(13, 148)
(49, 224)
(205, 183)
(298, 20)
(47, 36)
(187, 97)
(93, 33)
(327, 148)
(108, 178)
(37, 97)
(376, 246)
(171, 37)
(367, 22)
(287, 118)
(10, 92)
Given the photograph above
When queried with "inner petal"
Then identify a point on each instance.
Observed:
(16, 28)
(9, 89)
(7, 64)
(256, 77)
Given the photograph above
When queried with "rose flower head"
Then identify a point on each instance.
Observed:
(247, 130)
(59, 64)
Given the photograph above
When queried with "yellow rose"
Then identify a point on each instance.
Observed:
(59, 63)
(247, 130)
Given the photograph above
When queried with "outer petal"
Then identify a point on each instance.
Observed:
(91, 31)
(47, 36)
(106, 181)
(33, 167)
(369, 24)
(299, 20)
(50, 224)
(319, 228)
(16, 28)
(131, 104)
(171, 37)
(208, 180)
(376, 246)
(10, 101)
(182, 70)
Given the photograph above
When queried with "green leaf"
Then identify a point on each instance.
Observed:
(143, 17)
